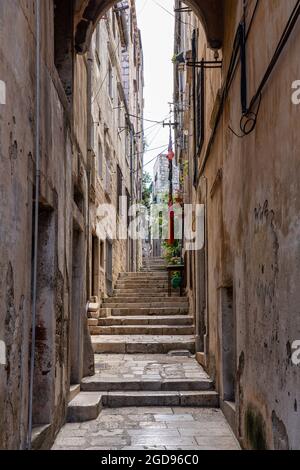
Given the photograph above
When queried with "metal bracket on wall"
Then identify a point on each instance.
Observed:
(206, 64)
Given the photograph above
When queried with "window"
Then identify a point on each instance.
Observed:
(100, 159)
(127, 144)
(78, 198)
(200, 110)
(97, 45)
(95, 266)
(43, 401)
(113, 22)
(109, 267)
(63, 43)
(107, 185)
(119, 114)
(110, 81)
(134, 50)
(131, 26)
(102, 248)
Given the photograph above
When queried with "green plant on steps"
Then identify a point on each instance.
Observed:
(171, 253)
(176, 280)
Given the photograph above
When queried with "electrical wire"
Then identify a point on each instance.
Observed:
(155, 135)
(105, 77)
(249, 118)
(170, 13)
(150, 161)
(144, 119)
(148, 150)
(154, 125)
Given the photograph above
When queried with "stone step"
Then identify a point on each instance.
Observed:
(142, 330)
(84, 407)
(153, 268)
(136, 310)
(74, 391)
(135, 305)
(148, 275)
(143, 291)
(145, 299)
(143, 282)
(97, 384)
(142, 344)
(139, 286)
(209, 399)
(143, 320)
(155, 263)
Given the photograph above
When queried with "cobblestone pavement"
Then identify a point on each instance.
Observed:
(146, 366)
(150, 428)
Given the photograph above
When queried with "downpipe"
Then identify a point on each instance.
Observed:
(36, 222)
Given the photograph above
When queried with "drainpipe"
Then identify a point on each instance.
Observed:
(206, 336)
(131, 191)
(36, 221)
(90, 145)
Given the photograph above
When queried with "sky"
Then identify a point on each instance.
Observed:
(157, 29)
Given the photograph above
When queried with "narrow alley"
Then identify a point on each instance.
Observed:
(148, 391)
(149, 226)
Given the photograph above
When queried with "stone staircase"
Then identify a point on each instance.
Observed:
(142, 329)
(141, 318)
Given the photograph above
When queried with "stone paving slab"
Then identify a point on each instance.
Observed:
(141, 366)
(149, 428)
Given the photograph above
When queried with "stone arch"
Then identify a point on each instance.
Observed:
(88, 12)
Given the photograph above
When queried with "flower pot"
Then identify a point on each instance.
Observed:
(176, 282)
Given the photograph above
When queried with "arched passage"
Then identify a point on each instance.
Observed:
(88, 12)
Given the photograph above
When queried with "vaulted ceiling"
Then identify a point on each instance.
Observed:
(88, 12)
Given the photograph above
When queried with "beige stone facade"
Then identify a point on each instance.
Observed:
(68, 190)
(117, 142)
(242, 284)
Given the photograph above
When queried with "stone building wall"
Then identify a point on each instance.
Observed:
(63, 153)
(242, 285)
(161, 177)
(117, 133)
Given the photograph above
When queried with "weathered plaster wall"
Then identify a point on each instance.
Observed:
(253, 235)
(250, 187)
(58, 148)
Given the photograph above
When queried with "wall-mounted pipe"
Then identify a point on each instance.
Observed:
(36, 220)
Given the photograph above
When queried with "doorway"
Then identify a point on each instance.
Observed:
(44, 360)
(77, 306)
(109, 267)
(95, 266)
(228, 342)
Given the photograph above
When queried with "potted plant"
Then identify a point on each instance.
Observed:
(176, 280)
